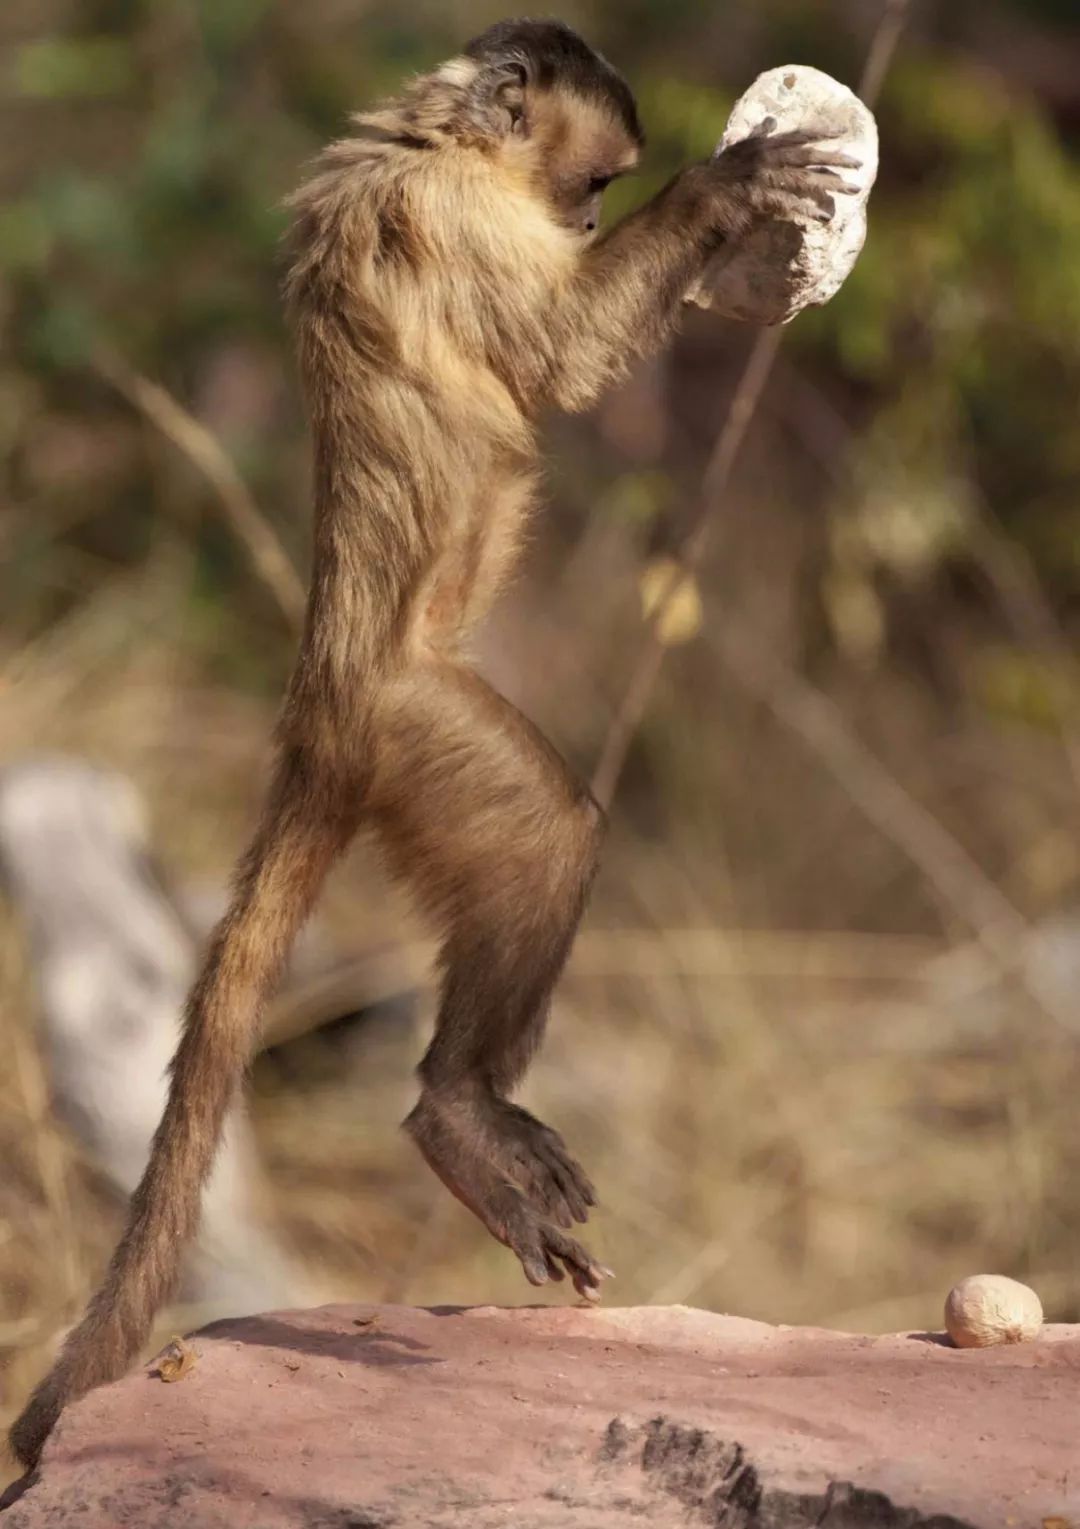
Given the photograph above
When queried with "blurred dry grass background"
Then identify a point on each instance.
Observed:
(819, 1044)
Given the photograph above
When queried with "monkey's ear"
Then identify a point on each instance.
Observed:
(504, 84)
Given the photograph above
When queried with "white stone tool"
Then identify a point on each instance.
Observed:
(783, 267)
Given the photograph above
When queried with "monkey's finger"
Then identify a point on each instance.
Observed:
(570, 1172)
(822, 198)
(585, 1272)
(808, 186)
(555, 1271)
(781, 196)
(553, 1178)
(564, 1174)
(535, 1264)
(763, 129)
(570, 1249)
(589, 1288)
(836, 183)
(520, 1237)
(575, 1200)
(579, 1211)
(531, 1240)
(560, 1210)
(582, 1183)
(816, 157)
(839, 158)
(822, 132)
(538, 1181)
(551, 1195)
(814, 182)
(794, 138)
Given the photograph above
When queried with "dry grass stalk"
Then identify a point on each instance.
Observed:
(268, 557)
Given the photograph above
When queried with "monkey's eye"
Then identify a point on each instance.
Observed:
(599, 183)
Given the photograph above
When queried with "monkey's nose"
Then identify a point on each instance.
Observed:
(590, 225)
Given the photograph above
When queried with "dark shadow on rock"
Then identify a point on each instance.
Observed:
(368, 1345)
(939, 1340)
(464, 1311)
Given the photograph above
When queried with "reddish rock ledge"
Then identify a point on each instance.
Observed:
(382, 1417)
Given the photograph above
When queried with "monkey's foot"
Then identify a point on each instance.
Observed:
(545, 1251)
(475, 1161)
(537, 1158)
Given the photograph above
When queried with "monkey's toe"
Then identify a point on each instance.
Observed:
(555, 1183)
(546, 1252)
(541, 1163)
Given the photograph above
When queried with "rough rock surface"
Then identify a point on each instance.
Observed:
(563, 1418)
(782, 267)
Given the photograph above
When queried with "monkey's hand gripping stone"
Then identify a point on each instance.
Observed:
(782, 267)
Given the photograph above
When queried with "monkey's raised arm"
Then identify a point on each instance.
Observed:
(627, 292)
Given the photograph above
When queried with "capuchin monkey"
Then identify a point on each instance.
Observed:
(447, 286)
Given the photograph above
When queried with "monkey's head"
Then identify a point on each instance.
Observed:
(534, 92)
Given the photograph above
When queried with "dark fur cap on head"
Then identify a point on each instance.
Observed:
(551, 51)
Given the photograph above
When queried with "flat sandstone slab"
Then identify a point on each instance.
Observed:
(367, 1417)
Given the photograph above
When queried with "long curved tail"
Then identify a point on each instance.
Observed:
(306, 824)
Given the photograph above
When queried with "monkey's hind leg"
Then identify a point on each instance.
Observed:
(479, 814)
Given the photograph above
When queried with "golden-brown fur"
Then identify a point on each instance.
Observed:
(445, 290)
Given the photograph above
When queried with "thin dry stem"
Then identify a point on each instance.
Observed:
(883, 45)
(202, 448)
(717, 475)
